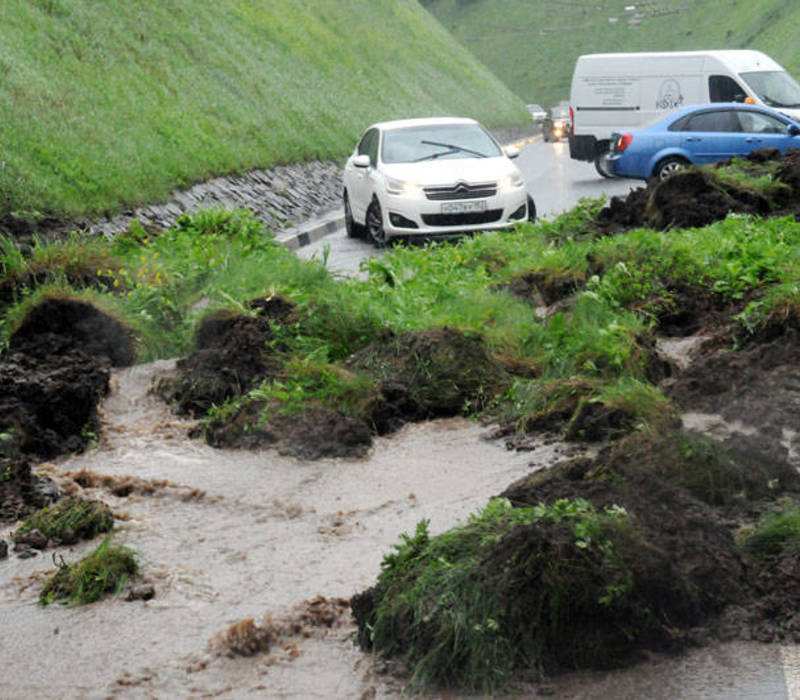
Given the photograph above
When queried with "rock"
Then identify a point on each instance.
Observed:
(23, 551)
(68, 537)
(33, 538)
(144, 591)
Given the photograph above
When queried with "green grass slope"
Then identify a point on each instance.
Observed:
(532, 44)
(110, 104)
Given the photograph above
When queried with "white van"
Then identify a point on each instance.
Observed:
(621, 91)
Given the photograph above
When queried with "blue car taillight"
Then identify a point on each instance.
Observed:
(623, 141)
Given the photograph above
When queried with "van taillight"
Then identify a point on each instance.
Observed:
(624, 141)
(571, 120)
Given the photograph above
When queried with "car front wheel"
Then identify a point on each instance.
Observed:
(375, 224)
(668, 166)
(531, 209)
(354, 229)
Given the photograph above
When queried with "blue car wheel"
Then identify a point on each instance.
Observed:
(669, 166)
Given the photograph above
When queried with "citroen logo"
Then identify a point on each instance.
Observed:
(461, 186)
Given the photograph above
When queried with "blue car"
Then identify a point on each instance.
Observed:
(700, 134)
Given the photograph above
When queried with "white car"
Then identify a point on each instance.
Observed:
(538, 114)
(431, 177)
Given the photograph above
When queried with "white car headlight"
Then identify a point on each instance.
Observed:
(402, 187)
(509, 182)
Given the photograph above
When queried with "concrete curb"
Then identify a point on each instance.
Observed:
(312, 230)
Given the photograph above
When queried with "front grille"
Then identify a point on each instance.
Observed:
(461, 190)
(467, 219)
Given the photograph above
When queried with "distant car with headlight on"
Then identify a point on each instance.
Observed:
(431, 178)
(556, 125)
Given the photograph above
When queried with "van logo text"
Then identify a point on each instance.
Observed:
(669, 95)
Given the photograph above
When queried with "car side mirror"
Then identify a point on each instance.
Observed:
(511, 151)
(794, 130)
(361, 161)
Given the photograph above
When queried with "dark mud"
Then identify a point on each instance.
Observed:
(233, 354)
(53, 375)
(694, 198)
(416, 376)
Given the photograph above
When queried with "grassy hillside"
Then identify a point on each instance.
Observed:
(108, 104)
(532, 44)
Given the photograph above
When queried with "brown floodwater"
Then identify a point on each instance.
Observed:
(236, 535)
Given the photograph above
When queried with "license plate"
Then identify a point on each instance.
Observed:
(463, 207)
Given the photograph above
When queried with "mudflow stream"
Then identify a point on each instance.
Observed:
(225, 536)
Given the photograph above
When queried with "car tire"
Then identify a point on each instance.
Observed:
(375, 224)
(601, 160)
(531, 209)
(669, 166)
(351, 226)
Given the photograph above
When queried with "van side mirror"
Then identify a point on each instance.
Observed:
(361, 161)
(511, 151)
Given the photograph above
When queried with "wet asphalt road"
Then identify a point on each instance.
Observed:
(555, 181)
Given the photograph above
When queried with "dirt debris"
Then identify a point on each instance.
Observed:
(698, 197)
(232, 355)
(53, 375)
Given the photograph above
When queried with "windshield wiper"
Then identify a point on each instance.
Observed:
(454, 147)
(438, 154)
(772, 102)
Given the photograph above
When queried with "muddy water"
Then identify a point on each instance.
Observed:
(265, 533)
(235, 535)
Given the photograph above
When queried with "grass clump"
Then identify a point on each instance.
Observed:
(499, 593)
(84, 518)
(777, 534)
(106, 570)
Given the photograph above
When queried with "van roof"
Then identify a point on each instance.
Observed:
(737, 59)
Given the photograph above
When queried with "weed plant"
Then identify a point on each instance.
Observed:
(307, 382)
(777, 534)
(456, 621)
(106, 570)
(85, 518)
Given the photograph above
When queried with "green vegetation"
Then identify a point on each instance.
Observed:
(600, 343)
(445, 607)
(108, 105)
(106, 570)
(532, 46)
(84, 518)
(306, 383)
(776, 534)
(455, 607)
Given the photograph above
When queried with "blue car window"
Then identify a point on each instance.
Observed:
(680, 124)
(760, 123)
(718, 120)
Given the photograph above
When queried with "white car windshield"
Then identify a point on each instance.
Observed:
(417, 143)
(775, 88)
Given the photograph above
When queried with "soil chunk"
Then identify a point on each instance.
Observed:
(58, 324)
(429, 374)
(232, 355)
(52, 377)
(698, 197)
